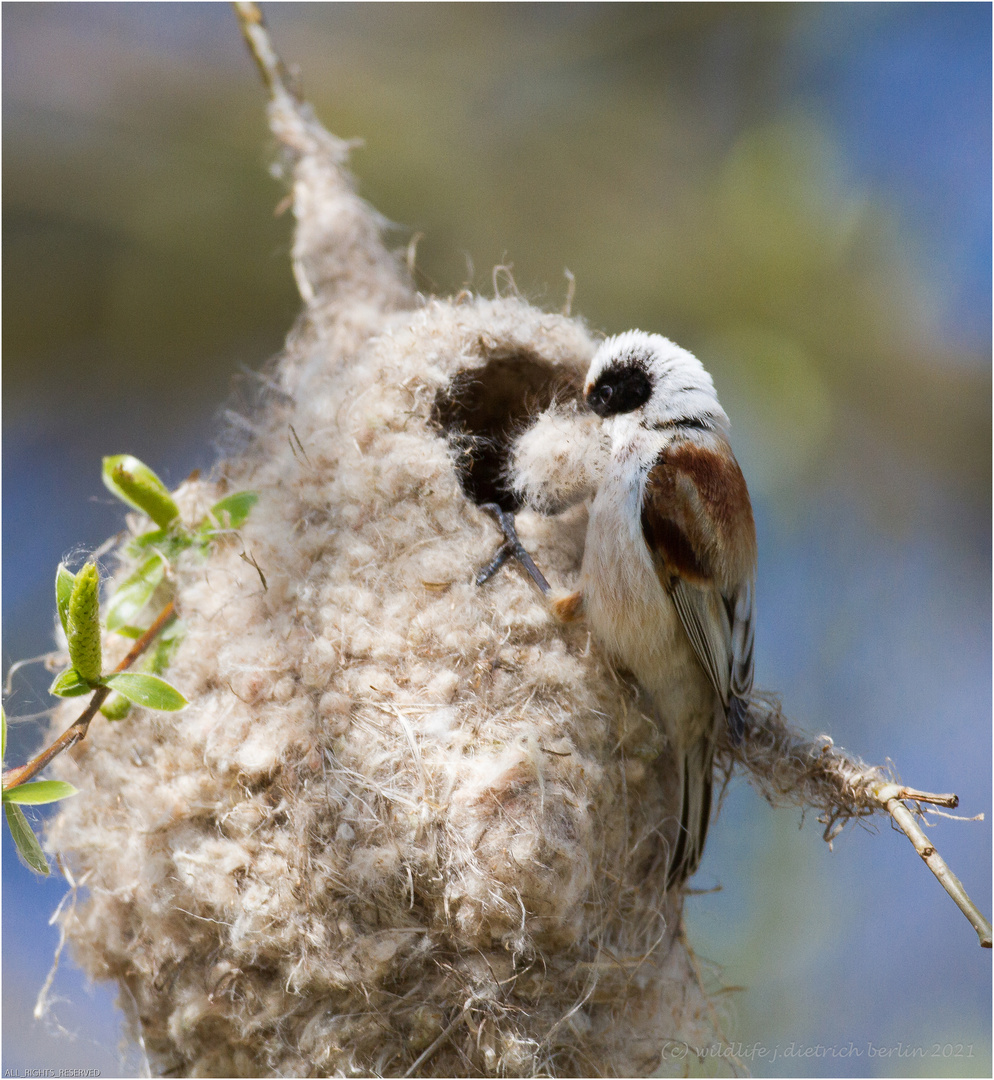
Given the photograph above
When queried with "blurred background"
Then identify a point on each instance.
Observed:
(799, 194)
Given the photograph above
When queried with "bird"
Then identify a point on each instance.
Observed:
(667, 580)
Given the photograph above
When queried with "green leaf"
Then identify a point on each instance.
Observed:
(69, 683)
(3, 733)
(133, 482)
(116, 707)
(153, 538)
(64, 579)
(25, 840)
(40, 792)
(232, 511)
(147, 690)
(83, 623)
(135, 592)
(168, 543)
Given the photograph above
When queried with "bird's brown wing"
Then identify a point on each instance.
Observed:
(697, 523)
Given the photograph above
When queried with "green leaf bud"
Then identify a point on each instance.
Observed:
(133, 482)
(83, 623)
(116, 707)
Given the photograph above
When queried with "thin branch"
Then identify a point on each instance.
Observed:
(789, 767)
(74, 734)
(948, 801)
(890, 797)
(271, 67)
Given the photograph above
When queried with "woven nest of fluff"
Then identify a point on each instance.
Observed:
(407, 824)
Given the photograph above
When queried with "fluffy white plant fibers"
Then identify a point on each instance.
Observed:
(406, 823)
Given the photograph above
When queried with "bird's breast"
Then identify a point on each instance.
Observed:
(632, 615)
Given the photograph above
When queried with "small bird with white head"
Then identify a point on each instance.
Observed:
(669, 564)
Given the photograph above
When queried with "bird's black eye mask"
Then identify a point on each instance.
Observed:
(621, 388)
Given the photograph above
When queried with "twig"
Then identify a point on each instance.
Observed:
(890, 797)
(787, 766)
(948, 801)
(271, 67)
(72, 735)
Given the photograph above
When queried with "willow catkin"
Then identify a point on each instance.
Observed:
(83, 623)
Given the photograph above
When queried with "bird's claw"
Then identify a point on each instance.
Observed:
(511, 548)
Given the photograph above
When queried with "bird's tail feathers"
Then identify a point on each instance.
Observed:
(695, 810)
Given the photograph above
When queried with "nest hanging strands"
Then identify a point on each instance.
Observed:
(407, 825)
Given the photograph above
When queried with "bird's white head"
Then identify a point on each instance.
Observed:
(654, 382)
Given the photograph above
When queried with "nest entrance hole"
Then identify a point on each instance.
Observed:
(484, 409)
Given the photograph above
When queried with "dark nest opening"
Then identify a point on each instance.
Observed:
(484, 409)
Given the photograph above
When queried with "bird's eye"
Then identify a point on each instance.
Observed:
(620, 390)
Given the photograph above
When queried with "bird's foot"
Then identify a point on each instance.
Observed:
(512, 548)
